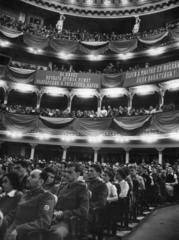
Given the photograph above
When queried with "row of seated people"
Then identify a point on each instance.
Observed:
(36, 198)
(110, 68)
(51, 31)
(105, 112)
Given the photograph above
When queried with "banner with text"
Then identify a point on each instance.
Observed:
(152, 74)
(67, 79)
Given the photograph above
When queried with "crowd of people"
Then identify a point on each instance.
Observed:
(52, 32)
(40, 195)
(105, 112)
(109, 69)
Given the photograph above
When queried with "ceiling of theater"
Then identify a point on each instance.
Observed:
(105, 8)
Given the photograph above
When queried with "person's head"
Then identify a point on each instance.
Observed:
(120, 174)
(169, 170)
(133, 170)
(94, 171)
(10, 182)
(51, 175)
(107, 176)
(153, 169)
(73, 172)
(36, 179)
(20, 167)
(139, 169)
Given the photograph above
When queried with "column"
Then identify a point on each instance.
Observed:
(39, 97)
(64, 156)
(96, 154)
(99, 106)
(69, 103)
(130, 98)
(6, 96)
(127, 155)
(160, 155)
(161, 97)
(32, 153)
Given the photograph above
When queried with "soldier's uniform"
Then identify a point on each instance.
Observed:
(99, 193)
(33, 212)
(72, 201)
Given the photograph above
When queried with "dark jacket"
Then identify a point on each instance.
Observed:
(99, 193)
(34, 211)
(73, 200)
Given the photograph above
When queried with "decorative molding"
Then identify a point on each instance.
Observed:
(99, 10)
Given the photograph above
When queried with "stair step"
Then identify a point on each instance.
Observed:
(132, 225)
(146, 212)
(151, 208)
(122, 233)
(140, 218)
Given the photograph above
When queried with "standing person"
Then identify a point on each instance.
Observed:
(2, 172)
(60, 23)
(33, 212)
(136, 27)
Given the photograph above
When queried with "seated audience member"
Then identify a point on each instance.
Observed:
(124, 187)
(108, 177)
(104, 112)
(135, 176)
(33, 212)
(98, 190)
(128, 179)
(50, 183)
(11, 196)
(171, 181)
(20, 167)
(72, 201)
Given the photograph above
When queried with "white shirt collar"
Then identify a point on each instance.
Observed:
(11, 193)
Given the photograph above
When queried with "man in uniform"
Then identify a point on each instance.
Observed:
(34, 211)
(72, 201)
(98, 190)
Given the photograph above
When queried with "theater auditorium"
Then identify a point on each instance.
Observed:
(89, 119)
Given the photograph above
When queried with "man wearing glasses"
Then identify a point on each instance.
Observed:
(72, 201)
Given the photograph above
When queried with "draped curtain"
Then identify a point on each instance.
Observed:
(123, 46)
(20, 75)
(37, 42)
(113, 80)
(10, 32)
(174, 34)
(166, 122)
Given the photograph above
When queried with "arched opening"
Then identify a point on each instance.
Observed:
(54, 102)
(145, 101)
(27, 99)
(48, 152)
(111, 155)
(84, 104)
(80, 154)
(115, 102)
(143, 155)
(171, 98)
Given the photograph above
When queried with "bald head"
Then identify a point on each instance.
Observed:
(36, 179)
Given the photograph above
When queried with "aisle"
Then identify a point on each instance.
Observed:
(163, 224)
